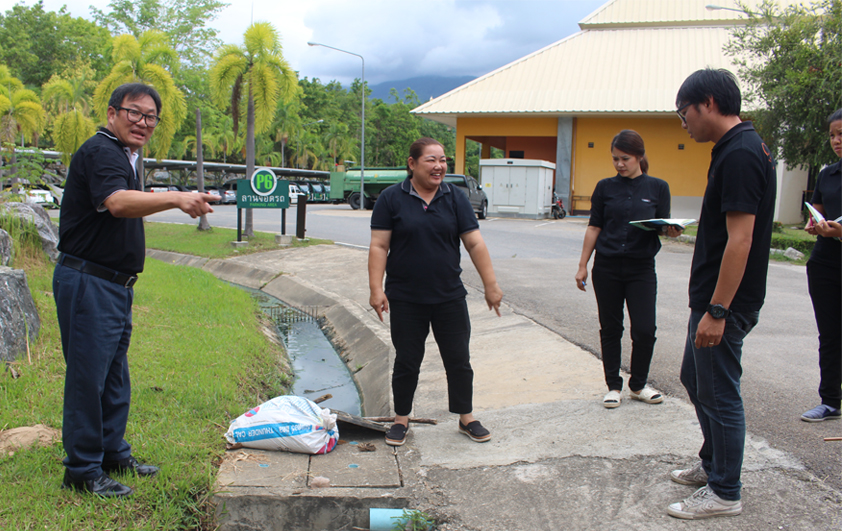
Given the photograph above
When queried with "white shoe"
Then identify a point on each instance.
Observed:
(612, 399)
(648, 395)
(704, 503)
(694, 475)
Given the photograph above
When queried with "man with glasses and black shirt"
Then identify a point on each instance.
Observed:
(102, 250)
(727, 285)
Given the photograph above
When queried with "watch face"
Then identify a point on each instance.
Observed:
(716, 311)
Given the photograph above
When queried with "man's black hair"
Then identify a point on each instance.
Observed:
(134, 91)
(718, 84)
(835, 117)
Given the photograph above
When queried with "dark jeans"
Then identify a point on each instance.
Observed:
(619, 281)
(410, 325)
(825, 285)
(711, 376)
(95, 320)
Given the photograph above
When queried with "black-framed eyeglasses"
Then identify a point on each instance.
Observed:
(135, 116)
(683, 115)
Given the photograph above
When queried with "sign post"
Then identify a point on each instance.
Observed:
(262, 190)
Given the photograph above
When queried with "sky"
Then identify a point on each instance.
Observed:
(398, 39)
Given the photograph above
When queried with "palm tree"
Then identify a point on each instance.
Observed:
(20, 113)
(72, 127)
(151, 60)
(258, 69)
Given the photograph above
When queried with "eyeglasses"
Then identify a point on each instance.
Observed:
(136, 116)
(681, 115)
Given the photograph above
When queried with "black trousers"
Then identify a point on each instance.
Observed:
(825, 284)
(410, 325)
(619, 281)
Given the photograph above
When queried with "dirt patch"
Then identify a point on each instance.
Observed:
(25, 437)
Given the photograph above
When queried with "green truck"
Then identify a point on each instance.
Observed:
(345, 186)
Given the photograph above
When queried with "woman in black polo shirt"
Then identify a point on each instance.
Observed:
(416, 229)
(624, 267)
(824, 278)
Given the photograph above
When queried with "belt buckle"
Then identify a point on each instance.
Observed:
(130, 282)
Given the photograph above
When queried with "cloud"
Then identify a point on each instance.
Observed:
(399, 39)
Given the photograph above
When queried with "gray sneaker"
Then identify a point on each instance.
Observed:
(704, 503)
(695, 475)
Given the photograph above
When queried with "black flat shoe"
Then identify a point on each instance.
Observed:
(130, 464)
(396, 435)
(102, 486)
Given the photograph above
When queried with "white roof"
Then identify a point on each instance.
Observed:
(630, 57)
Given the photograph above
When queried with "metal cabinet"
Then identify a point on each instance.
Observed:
(518, 187)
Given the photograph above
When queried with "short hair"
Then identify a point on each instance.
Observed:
(417, 149)
(134, 91)
(717, 84)
(631, 142)
(835, 117)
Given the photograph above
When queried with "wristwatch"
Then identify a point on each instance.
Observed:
(717, 311)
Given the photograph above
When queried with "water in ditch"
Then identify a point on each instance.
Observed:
(316, 365)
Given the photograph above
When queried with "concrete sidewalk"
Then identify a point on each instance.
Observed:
(557, 459)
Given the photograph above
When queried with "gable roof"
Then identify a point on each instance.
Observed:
(630, 57)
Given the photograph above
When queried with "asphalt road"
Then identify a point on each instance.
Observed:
(536, 261)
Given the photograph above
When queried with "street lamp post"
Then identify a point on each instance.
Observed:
(714, 7)
(362, 133)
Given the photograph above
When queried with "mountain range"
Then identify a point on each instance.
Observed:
(425, 87)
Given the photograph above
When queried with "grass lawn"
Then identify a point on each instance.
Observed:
(213, 243)
(198, 359)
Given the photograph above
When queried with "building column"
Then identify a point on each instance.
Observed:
(564, 159)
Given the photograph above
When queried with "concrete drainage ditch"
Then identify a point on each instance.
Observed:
(271, 490)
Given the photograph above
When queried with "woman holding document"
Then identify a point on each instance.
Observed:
(824, 278)
(624, 266)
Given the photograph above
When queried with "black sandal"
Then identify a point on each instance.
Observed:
(396, 435)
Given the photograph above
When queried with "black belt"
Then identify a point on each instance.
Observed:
(90, 268)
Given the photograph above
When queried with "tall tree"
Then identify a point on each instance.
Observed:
(20, 113)
(258, 70)
(150, 60)
(72, 126)
(792, 62)
(185, 22)
(36, 44)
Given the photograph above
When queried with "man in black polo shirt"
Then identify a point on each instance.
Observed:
(102, 250)
(727, 285)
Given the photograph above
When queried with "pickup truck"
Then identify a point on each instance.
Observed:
(469, 186)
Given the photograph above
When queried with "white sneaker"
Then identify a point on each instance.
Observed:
(704, 503)
(694, 475)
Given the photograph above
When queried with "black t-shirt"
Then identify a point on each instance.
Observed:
(741, 178)
(618, 200)
(423, 262)
(98, 169)
(828, 193)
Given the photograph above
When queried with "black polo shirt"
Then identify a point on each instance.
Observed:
(98, 169)
(618, 200)
(828, 193)
(741, 178)
(423, 262)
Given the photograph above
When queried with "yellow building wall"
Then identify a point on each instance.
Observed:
(684, 169)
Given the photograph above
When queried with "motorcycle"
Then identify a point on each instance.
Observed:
(558, 207)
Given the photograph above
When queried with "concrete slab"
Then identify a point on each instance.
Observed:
(347, 466)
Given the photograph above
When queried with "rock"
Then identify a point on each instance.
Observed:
(17, 314)
(35, 214)
(6, 248)
(793, 254)
(26, 437)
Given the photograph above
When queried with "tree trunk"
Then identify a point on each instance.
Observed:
(200, 173)
(249, 229)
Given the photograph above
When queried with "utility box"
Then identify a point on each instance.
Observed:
(518, 188)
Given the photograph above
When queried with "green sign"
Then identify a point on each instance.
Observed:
(263, 190)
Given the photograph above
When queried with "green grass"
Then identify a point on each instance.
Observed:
(787, 237)
(198, 359)
(213, 243)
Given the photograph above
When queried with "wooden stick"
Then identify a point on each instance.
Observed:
(412, 419)
(827, 439)
(323, 398)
